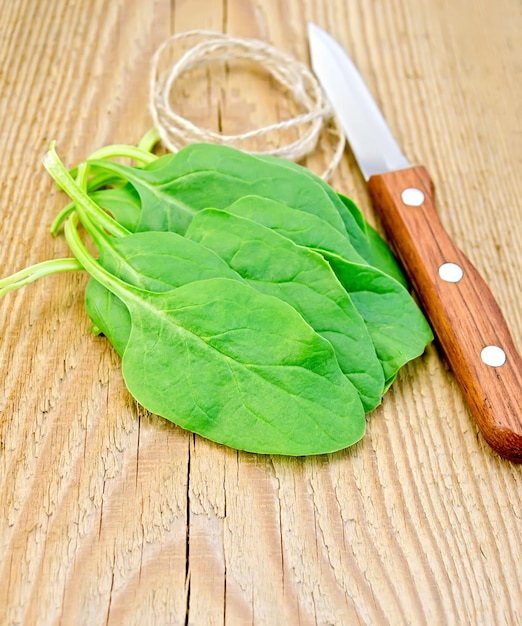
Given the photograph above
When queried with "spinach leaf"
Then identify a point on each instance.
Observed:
(321, 192)
(245, 325)
(355, 211)
(162, 208)
(379, 254)
(152, 261)
(305, 229)
(362, 236)
(174, 187)
(276, 266)
(123, 203)
(236, 366)
(398, 328)
(383, 258)
(171, 192)
(371, 246)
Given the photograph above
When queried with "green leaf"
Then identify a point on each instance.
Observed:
(174, 187)
(152, 261)
(383, 258)
(163, 209)
(123, 203)
(305, 229)
(320, 191)
(355, 212)
(398, 328)
(276, 266)
(379, 255)
(244, 346)
(169, 193)
(234, 365)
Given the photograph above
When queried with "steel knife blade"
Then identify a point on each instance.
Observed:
(465, 317)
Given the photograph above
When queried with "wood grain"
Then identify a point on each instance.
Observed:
(109, 515)
(464, 315)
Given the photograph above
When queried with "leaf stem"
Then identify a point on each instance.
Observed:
(149, 139)
(80, 173)
(34, 272)
(99, 179)
(102, 179)
(84, 213)
(61, 217)
(115, 285)
(84, 204)
(121, 150)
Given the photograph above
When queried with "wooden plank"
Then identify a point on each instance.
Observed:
(110, 515)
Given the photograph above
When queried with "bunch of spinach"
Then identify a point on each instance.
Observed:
(249, 302)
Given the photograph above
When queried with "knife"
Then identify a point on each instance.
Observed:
(460, 307)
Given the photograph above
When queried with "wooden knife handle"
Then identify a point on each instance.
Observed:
(463, 313)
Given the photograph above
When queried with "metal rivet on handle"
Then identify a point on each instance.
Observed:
(493, 356)
(412, 196)
(451, 272)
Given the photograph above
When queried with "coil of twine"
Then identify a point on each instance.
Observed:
(294, 77)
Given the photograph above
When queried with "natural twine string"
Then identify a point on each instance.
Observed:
(294, 77)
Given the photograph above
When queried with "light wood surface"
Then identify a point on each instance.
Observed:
(109, 515)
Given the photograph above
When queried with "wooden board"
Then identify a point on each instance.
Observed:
(111, 515)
